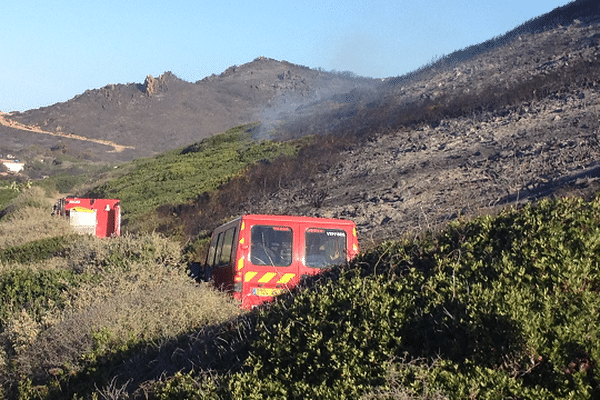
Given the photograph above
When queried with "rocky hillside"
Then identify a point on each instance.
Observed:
(510, 125)
(166, 112)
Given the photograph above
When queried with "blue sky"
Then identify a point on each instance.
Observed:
(53, 50)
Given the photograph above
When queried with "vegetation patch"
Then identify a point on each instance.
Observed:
(38, 250)
(259, 183)
(180, 175)
(75, 308)
(499, 307)
(8, 191)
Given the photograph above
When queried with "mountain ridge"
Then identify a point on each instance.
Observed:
(166, 112)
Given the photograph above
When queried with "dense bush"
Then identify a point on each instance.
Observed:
(73, 321)
(500, 307)
(497, 307)
(33, 291)
(27, 197)
(37, 250)
(8, 191)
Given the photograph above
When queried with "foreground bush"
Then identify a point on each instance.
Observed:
(500, 307)
(65, 328)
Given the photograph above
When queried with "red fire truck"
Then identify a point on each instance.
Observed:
(99, 217)
(257, 257)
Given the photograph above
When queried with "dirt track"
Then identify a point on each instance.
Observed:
(7, 122)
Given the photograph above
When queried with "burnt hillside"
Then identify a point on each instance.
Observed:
(514, 124)
(485, 76)
(510, 125)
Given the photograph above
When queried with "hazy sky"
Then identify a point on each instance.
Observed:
(53, 50)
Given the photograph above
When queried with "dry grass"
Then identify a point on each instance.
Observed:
(56, 263)
(396, 390)
(146, 300)
(94, 255)
(28, 217)
(143, 305)
(150, 299)
(137, 292)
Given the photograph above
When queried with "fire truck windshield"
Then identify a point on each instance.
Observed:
(271, 245)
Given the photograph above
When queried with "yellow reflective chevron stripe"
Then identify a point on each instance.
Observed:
(249, 275)
(286, 278)
(267, 277)
(240, 263)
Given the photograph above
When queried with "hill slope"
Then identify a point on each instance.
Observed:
(166, 112)
(513, 124)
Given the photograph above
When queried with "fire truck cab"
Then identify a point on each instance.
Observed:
(257, 257)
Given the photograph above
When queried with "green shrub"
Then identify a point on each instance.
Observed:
(38, 250)
(28, 196)
(496, 307)
(332, 342)
(65, 182)
(177, 176)
(502, 307)
(33, 291)
(7, 195)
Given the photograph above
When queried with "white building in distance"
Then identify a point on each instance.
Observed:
(13, 165)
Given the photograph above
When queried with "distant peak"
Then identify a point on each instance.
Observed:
(263, 58)
(150, 85)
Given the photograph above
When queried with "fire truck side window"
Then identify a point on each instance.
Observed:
(218, 249)
(271, 245)
(227, 247)
(210, 260)
(325, 247)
